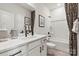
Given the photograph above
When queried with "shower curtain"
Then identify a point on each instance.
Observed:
(71, 15)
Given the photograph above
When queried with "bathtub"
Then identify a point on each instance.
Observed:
(61, 44)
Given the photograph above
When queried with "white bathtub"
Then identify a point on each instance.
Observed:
(61, 44)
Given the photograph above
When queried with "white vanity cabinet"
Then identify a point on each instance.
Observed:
(32, 47)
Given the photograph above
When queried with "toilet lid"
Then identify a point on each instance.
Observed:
(51, 44)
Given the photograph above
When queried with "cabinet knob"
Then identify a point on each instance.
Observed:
(40, 50)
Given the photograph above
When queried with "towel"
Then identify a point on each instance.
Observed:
(75, 26)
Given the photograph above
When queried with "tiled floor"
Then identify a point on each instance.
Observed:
(55, 52)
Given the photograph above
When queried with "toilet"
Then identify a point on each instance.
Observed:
(50, 48)
(49, 43)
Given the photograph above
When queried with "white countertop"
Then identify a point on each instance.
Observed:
(10, 44)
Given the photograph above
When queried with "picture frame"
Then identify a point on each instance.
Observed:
(41, 21)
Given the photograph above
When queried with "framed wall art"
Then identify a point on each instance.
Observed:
(41, 21)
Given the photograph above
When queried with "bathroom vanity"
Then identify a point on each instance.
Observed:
(24, 46)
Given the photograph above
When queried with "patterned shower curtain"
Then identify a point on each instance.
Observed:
(71, 15)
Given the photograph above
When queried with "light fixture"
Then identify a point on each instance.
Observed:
(58, 4)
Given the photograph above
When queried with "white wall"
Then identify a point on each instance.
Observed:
(58, 13)
(19, 13)
(59, 24)
(60, 27)
(44, 12)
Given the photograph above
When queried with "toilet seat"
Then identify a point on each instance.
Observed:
(51, 45)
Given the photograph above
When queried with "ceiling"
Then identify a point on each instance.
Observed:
(50, 6)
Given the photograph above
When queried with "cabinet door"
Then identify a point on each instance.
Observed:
(35, 52)
(44, 49)
(19, 51)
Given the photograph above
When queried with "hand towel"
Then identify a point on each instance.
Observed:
(75, 26)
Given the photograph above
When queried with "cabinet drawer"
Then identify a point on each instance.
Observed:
(11, 52)
(34, 44)
(44, 50)
(19, 51)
